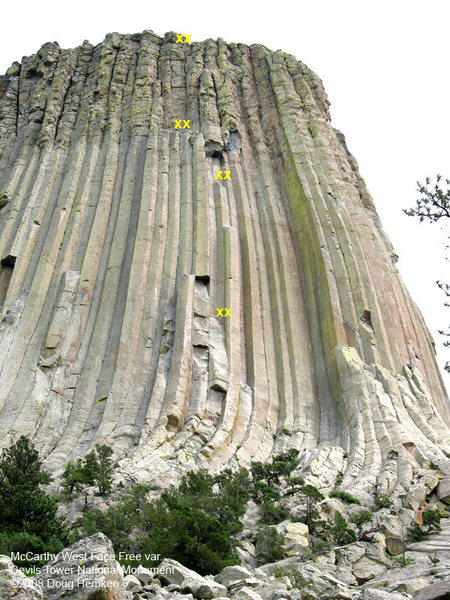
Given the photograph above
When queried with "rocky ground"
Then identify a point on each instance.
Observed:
(357, 571)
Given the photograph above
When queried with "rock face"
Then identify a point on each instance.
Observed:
(193, 271)
(14, 584)
(85, 571)
(332, 575)
(437, 591)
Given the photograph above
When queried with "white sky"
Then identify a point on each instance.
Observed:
(385, 69)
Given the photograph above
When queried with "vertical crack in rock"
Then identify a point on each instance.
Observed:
(125, 240)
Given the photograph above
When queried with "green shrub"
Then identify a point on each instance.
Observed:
(271, 514)
(269, 545)
(29, 518)
(415, 533)
(344, 496)
(341, 532)
(118, 522)
(432, 520)
(339, 479)
(94, 469)
(185, 533)
(265, 476)
(382, 501)
(296, 578)
(434, 559)
(403, 561)
(361, 518)
(226, 504)
(73, 478)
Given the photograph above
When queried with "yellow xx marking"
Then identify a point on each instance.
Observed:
(185, 126)
(180, 37)
(220, 312)
(219, 175)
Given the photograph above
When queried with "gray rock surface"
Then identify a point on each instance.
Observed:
(172, 572)
(436, 591)
(443, 491)
(84, 570)
(118, 243)
(202, 588)
(335, 575)
(437, 542)
(374, 594)
(14, 585)
(132, 583)
(232, 574)
(247, 593)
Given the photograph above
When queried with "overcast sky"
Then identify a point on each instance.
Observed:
(384, 65)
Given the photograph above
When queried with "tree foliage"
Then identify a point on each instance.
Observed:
(28, 513)
(344, 496)
(340, 530)
(266, 476)
(269, 545)
(195, 522)
(433, 205)
(174, 528)
(431, 523)
(94, 469)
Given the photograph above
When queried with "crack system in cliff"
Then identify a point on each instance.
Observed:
(127, 244)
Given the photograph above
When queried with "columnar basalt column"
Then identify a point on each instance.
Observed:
(124, 233)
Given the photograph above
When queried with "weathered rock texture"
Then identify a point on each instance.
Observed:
(118, 244)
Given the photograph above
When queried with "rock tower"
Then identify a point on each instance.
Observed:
(193, 271)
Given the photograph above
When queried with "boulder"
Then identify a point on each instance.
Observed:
(306, 577)
(411, 585)
(144, 575)
(443, 490)
(202, 588)
(295, 538)
(246, 558)
(132, 584)
(376, 594)
(348, 555)
(232, 574)
(267, 590)
(436, 591)
(367, 568)
(338, 594)
(247, 593)
(392, 524)
(363, 559)
(280, 594)
(430, 478)
(416, 496)
(171, 571)
(377, 539)
(249, 582)
(261, 575)
(86, 570)
(248, 547)
(394, 546)
(14, 584)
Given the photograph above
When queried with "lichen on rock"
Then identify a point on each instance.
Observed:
(125, 244)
